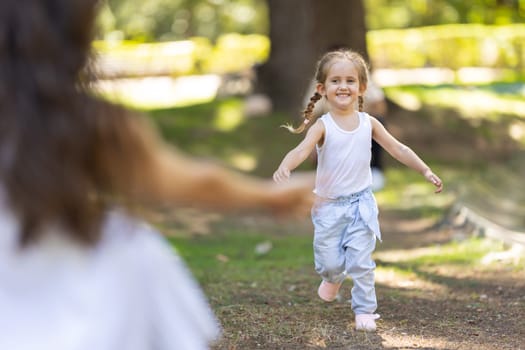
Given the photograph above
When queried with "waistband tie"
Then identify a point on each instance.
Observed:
(367, 207)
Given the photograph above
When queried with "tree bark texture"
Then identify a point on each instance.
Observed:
(300, 32)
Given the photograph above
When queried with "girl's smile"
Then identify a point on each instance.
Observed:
(341, 87)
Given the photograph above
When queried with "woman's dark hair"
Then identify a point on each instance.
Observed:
(65, 156)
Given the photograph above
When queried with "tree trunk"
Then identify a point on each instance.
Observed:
(300, 32)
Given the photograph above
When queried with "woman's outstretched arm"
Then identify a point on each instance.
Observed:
(163, 174)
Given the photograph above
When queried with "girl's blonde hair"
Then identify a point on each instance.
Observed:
(323, 66)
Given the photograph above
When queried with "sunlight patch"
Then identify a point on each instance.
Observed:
(160, 92)
(401, 340)
(406, 100)
(395, 278)
(478, 75)
(517, 131)
(228, 117)
(404, 255)
(410, 76)
(243, 161)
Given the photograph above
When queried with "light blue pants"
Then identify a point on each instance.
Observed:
(345, 232)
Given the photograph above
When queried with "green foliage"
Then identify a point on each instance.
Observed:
(258, 141)
(382, 14)
(165, 20)
(494, 102)
(453, 46)
(476, 46)
(232, 53)
(128, 58)
(235, 52)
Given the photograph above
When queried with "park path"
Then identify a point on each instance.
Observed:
(446, 306)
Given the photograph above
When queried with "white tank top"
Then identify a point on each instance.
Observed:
(343, 161)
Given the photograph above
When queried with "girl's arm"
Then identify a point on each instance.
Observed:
(403, 153)
(297, 155)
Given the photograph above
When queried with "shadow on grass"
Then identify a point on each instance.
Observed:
(198, 131)
(269, 300)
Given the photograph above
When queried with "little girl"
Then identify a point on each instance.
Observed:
(345, 214)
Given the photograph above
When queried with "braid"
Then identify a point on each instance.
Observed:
(361, 103)
(323, 66)
(307, 114)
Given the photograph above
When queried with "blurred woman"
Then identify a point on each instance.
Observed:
(78, 269)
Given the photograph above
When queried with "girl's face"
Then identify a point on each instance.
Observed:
(341, 87)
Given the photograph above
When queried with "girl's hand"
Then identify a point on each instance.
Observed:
(281, 175)
(434, 179)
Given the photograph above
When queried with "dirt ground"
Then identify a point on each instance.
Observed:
(439, 306)
(470, 308)
(448, 306)
(452, 307)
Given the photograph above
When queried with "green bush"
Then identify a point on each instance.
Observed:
(231, 53)
(452, 46)
(236, 52)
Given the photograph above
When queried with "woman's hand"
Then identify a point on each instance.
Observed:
(293, 197)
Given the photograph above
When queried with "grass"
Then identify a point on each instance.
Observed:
(473, 153)
(492, 101)
(268, 300)
(231, 256)
(258, 272)
(205, 131)
(469, 151)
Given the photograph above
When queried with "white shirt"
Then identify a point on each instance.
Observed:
(343, 166)
(129, 292)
